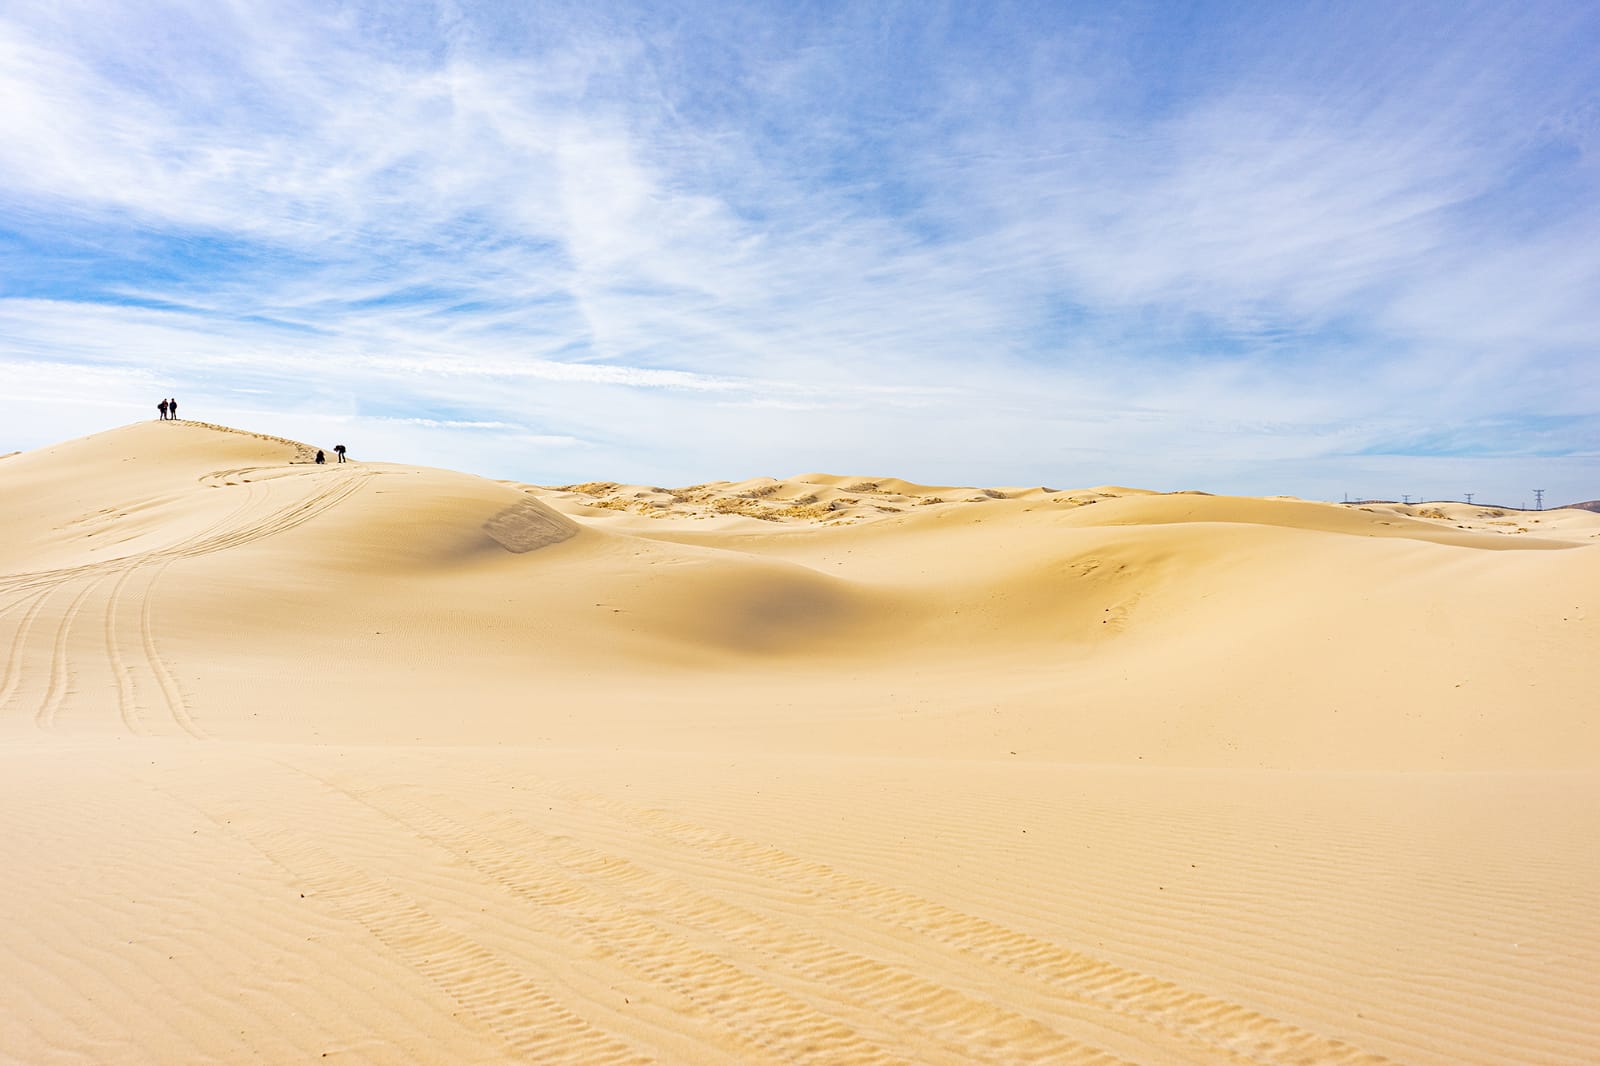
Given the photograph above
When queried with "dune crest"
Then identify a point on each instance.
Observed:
(393, 764)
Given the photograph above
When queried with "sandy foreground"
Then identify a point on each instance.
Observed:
(377, 763)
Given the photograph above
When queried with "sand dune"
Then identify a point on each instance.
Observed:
(394, 764)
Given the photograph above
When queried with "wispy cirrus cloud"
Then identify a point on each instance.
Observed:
(1016, 245)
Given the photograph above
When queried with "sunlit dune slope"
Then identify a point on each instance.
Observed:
(357, 601)
(380, 763)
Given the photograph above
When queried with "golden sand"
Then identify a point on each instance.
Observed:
(377, 763)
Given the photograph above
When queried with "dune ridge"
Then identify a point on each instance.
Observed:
(386, 763)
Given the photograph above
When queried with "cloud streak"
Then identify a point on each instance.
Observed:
(1025, 246)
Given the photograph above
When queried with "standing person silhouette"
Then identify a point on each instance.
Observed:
(172, 405)
(162, 407)
(340, 449)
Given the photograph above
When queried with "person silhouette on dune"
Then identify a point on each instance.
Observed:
(339, 448)
(162, 407)
(320, 457)
(172, 405)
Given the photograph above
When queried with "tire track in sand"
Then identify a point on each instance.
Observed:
(61, 673)
(767, 1022)
(226, 532)
(61, 670)
(19, 641)
(496, 993)
(127, 693)
(527, 1019)
(1206, 1020)
(607, 894)
(288, 517)
(177, 706)
(209, 540)
(166, 681)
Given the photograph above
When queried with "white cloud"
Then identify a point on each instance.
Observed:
(790, 240)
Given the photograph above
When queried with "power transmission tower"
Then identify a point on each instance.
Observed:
(1538, 499)
(1469, 498)
(1406, 496)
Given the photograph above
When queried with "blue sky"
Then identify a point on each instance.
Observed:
(1312, 249)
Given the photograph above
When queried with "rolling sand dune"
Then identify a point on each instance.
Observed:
(376, 763)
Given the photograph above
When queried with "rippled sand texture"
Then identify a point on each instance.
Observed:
(377, 763)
